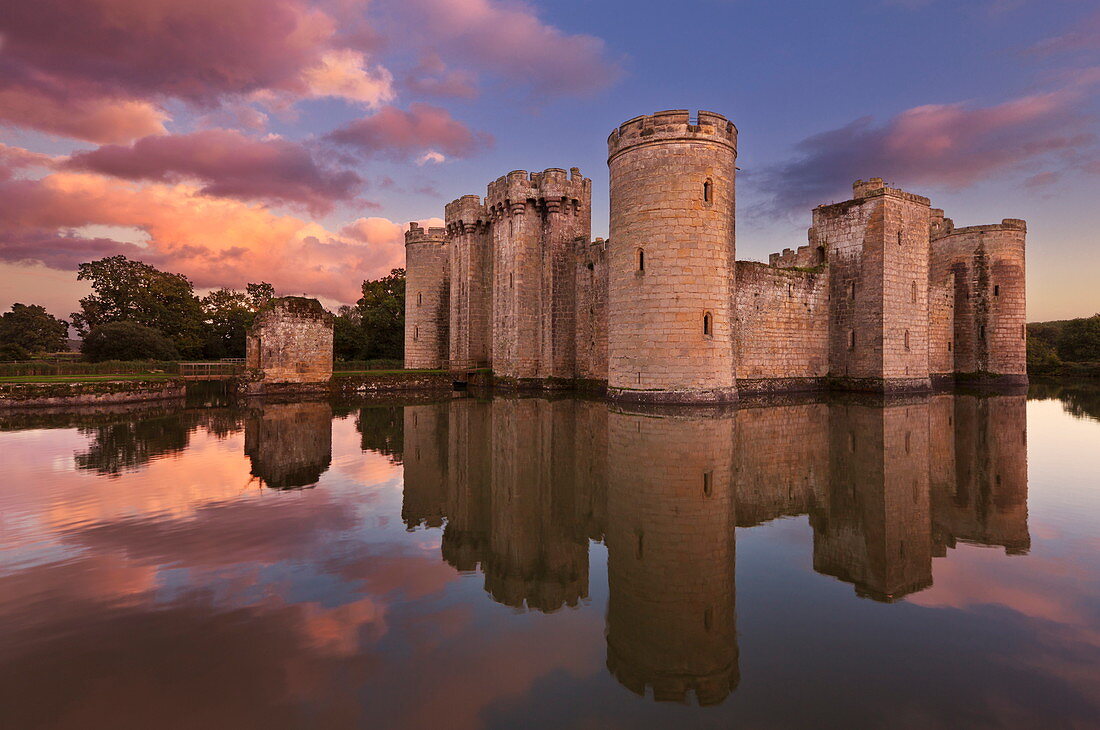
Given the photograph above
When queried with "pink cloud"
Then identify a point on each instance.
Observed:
(214, 241)
(94, 119)
(431, 77)
(1085, 36)
(228, 164)
(196, 51)
(952, 145)
(508, 39)
(400, 134)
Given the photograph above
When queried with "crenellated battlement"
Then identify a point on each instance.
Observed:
(554, 188)
(464, 213)
(875, 187)
(416, 234)
(947, 227)
(672, 126)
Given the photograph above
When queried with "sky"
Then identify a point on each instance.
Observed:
(291, 141)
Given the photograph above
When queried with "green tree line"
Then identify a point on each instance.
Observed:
(138, 312)
(1066, 347)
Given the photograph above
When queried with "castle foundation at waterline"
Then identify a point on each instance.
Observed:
(886, 295)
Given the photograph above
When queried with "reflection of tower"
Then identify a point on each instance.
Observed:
(290, 444)
(538, 553)
(874, 528)
(986, 500)
(670, 540)
(466, 537)
(425, 463)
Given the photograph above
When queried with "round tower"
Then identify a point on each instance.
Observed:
(427, 297)
(672, 259)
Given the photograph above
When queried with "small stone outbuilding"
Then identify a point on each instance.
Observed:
(290, 342)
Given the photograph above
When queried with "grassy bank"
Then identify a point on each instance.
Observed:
(151, 377)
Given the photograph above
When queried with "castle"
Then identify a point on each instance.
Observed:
(886, 296)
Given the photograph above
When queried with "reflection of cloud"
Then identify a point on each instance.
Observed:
(260, 531)
(974, 576)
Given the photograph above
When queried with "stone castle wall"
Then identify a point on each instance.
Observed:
(591, 306)
(781, 326)
(886, 295)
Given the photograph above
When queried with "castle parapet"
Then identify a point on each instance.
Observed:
(675, 124)
(465, 213)
(416, 234)
(553, 188)
(875, 187)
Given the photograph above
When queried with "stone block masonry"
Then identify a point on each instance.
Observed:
(290, 344)
(885, 296)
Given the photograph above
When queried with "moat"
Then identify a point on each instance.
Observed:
(480, 561)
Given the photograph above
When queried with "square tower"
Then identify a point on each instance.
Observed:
(878, 249)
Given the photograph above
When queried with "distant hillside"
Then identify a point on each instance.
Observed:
(1064, 347)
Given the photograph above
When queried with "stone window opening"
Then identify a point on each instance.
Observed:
(907, 341)
(708, 191)
(851, 339)
(790, 290)
(419, 298)
(640, 260)
(908, 442)
(899, 238)
(996, 290)
(708, 325)
(981, 332)
(511, 279)
(820, 254)
(851, 290)
(416, 334)
(913, 291)
(708, 483)
(949, 345)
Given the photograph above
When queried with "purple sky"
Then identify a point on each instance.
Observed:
(292, 141)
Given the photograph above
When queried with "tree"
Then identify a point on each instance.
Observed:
(349, 342)
(1080, 340)
(1041, 357)
(131, 291)
(33, 329)
(259, 294)
(382, 313)
(229, 314)
(11, 352)
(127, 341)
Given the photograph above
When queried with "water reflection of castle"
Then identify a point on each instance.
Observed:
(523, 484)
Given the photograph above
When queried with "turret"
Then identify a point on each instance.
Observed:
(990, 323)
(427, 297)
(671, 258)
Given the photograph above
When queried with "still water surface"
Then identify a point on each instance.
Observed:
(507, 563)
